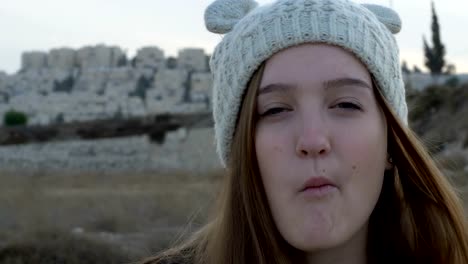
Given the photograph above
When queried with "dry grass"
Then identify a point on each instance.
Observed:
(147, 211)
(142, 213)
(61, 247)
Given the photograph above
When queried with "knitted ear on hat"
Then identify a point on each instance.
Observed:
(222, 15)
(387, 16)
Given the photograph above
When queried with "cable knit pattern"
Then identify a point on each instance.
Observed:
(253, 34)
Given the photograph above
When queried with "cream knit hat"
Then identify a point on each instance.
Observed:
(253, 34)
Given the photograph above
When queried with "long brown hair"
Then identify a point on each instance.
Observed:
(418, 217)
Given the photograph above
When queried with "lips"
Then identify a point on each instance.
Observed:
(317, 183)
(318, 189)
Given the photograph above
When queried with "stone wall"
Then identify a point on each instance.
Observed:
(187, 150)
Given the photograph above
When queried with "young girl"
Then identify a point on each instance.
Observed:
(311, 124)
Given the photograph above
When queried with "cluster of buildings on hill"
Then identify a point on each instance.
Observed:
(100, 82)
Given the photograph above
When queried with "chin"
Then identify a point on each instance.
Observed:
(316, 243)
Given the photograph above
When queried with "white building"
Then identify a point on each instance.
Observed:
(99, 56)
(33, 60)
(90, 84)
(192, 59)
(120, 81)
(201, 82)
(3, 82)
(150, 57)
(171, 83)
(92, 80)
(62, 58)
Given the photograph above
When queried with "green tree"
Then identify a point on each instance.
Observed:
(142, 85)
(15, 118)
(65, 85)
(171, 63)
(434, 55)
(133, 62)
(122, 61)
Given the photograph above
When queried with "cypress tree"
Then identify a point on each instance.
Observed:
(434, 56)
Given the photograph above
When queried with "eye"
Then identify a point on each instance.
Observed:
(348, 105)
(273, 111)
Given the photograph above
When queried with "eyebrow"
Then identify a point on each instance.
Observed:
(284, 87)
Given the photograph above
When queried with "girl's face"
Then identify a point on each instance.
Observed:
(321, 145)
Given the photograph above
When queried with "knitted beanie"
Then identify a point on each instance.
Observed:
(254, 33)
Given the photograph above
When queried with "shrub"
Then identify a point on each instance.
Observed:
(65, 85)
(452, 82)
(142, 85)
(15, 118)
(465, 142)
(171, 63)
(453, 162)
(426, 103)
(458, 98)
(122, 61)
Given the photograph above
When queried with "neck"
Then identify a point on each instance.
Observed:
(352, 251)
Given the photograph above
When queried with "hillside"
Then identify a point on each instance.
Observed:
(439, 115)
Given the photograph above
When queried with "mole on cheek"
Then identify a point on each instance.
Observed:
(355, 170)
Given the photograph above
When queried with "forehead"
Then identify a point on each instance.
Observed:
(313, 63)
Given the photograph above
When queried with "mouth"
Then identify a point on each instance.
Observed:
(318, 187)
(317, 182)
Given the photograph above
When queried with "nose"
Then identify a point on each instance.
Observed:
(313, 140)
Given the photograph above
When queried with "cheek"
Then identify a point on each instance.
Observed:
(369, 152)
(364, 144)
(272, 148)
(364, 152)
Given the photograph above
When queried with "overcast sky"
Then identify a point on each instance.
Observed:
(28, 25)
